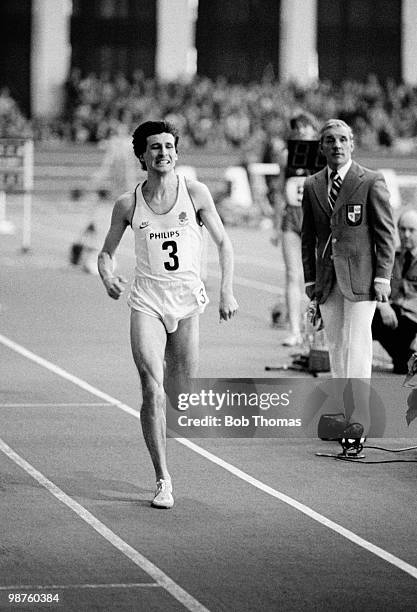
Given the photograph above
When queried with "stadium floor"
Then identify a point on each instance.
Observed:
(258, 524)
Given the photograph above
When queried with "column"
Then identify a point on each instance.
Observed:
(50, 54)
(409, 41)
(298, 41)
(176, 56)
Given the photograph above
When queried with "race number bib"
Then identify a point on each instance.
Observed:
(169, 251)
(294, 188)
(201, 296)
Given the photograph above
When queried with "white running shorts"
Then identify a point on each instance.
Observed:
(168, 301)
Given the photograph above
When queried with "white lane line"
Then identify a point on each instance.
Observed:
(346, 533)
(142, 562)
(64, 374)
(49, 587)
(319, 518)
(58, 405)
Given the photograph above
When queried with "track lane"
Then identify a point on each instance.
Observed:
(255, 531)
(241, 548)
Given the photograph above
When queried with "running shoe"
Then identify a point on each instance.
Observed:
(163, 494)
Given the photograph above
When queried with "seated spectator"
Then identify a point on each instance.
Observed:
(395, 322)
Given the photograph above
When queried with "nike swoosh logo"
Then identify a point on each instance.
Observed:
(144, 224)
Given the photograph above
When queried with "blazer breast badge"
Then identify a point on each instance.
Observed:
(354, 214)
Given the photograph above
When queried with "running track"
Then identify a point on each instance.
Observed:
(258, 524)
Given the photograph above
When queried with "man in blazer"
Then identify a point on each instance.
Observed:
(348, 250)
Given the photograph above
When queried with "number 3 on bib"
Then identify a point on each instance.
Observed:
(173, 262)
(169, 256)
(201, 296)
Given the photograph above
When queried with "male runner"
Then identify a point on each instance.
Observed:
(166, 213)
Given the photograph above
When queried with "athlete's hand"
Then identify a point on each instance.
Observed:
(228, 307)
(115, 286)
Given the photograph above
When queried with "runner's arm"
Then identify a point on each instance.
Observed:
(210, 217)
(114, 284)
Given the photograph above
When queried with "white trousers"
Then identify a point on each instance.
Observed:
(347, 326)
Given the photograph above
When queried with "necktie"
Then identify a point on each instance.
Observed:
(335, 188)
(407, 263)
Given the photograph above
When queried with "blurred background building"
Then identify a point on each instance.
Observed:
(241, 40)
(229, 72)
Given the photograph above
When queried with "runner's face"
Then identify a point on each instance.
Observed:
(160, 154)
(337, 146)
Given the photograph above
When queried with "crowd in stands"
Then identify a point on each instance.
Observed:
(223, 115)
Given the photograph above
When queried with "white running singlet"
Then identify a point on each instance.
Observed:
(168, 246)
